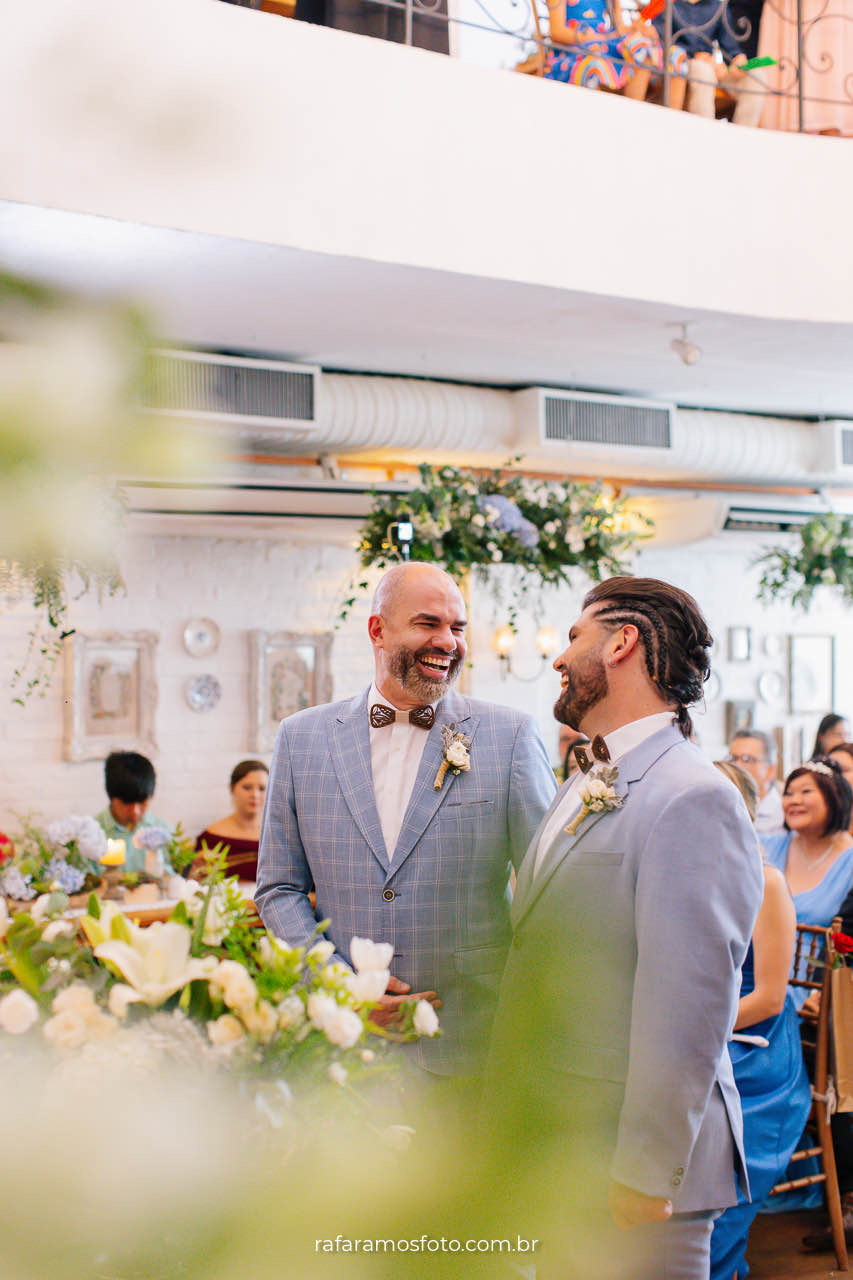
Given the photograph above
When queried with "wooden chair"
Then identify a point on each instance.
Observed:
(813, 965)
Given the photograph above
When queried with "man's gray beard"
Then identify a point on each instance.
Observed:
(583, 691)
(402, 667)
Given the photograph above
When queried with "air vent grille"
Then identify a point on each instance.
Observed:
(606, 422)
(765, 520)
(230, 388)
(847, 446)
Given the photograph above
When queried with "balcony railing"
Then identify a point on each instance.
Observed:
(798, 54)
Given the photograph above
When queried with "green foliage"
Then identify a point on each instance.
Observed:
(823, 558)
(570, 526)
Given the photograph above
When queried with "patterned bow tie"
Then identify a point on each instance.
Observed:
(423, 717)
(599, 751)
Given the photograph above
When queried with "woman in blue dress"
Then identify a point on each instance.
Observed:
(771, 1078)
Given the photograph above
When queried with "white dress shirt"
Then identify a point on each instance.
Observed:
(395, 756)
(618, 743)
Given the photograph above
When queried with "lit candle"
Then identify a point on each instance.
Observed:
(114, 856)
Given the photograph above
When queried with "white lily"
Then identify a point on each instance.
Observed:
(156, 962)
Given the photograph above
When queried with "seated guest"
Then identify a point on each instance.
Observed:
(754, 751)
(567, 740)
(701, 28)
(831, 732)
(599, 52)
(771, 1079)
(241, 830)
(130, 780)
(843, 757)
(816, 851)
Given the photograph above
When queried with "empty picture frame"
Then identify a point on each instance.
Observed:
(110, 694)
(811, 674)
(288, 671)
(739, 715)
(739, 644)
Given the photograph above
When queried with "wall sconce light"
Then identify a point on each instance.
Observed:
(503, 642)
(686, 350)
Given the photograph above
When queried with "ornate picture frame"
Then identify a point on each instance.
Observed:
(288, 671)
(811, 674)
(110, 694)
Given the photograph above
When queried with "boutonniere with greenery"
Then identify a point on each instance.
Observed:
(456, 756)
(597, 794)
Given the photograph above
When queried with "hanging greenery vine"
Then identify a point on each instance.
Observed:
(823, 557)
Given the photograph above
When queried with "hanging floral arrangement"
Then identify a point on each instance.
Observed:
(823, 557)
(470, 521)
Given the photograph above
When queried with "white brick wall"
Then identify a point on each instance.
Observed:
(278, 584)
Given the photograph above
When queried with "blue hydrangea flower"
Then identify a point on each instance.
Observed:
(509, 519)
(17, 886)
(152, 838)
(69, 879)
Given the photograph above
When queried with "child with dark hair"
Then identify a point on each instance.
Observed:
(130, 780)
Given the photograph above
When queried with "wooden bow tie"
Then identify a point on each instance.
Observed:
(599, 751)
(423, 717)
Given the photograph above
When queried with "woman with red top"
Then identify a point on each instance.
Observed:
(241, 830)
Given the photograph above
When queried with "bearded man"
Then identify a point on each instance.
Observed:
(635, 903)
(362, 811)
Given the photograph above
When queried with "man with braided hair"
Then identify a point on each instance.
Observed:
(632, 915)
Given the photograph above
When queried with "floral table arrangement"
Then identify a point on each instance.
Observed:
(240, 996)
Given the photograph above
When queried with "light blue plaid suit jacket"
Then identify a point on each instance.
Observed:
(442, 901)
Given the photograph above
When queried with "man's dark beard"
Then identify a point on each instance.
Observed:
(402, 667)
(585, 687)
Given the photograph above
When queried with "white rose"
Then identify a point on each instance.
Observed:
(425, 1020)
(77, 999)
(226, 1031)
(343, 1027)
(262, 1021)
(368, 987)
(66, 1030)
(322, 950)
(291, 1013)
(497, 555)
(321, 1007)
(370, 955)
(38, 910)
(576, 542)
(550, 526)
(338, 1073)
(18, 1012)
(457, 755)
(57, 929)
(367, 1056)
(478, 520)
(238, 987)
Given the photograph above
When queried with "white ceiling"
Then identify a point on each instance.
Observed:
(365, 316)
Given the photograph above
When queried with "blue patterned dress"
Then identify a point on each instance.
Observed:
(608, 61)
(775, 1097)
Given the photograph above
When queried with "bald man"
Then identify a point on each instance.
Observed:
(355, 813)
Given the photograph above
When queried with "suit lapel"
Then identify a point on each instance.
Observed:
(631, 768)
(425, 801)
(350, 752)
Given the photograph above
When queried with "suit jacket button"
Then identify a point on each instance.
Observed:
(675, 1181)
(679, 1172)
(388, 895)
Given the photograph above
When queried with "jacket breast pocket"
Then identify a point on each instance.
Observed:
(595, 858)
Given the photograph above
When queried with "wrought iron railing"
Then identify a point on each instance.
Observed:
(798, 54)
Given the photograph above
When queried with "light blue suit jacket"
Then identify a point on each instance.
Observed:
(442, 900)
(633, 932)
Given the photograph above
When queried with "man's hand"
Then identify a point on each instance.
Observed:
(632, 1208)
(396, 992)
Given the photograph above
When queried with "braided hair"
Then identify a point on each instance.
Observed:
(673, 632)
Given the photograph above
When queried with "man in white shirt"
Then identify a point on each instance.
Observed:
(755, 752)
(633, 912)
(356, 811)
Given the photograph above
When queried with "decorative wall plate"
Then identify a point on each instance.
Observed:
(201, 637)
(203, 692)
(773, 646)
(771, 686)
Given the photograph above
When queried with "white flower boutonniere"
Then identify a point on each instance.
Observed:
(597, 794)
(456, 755)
